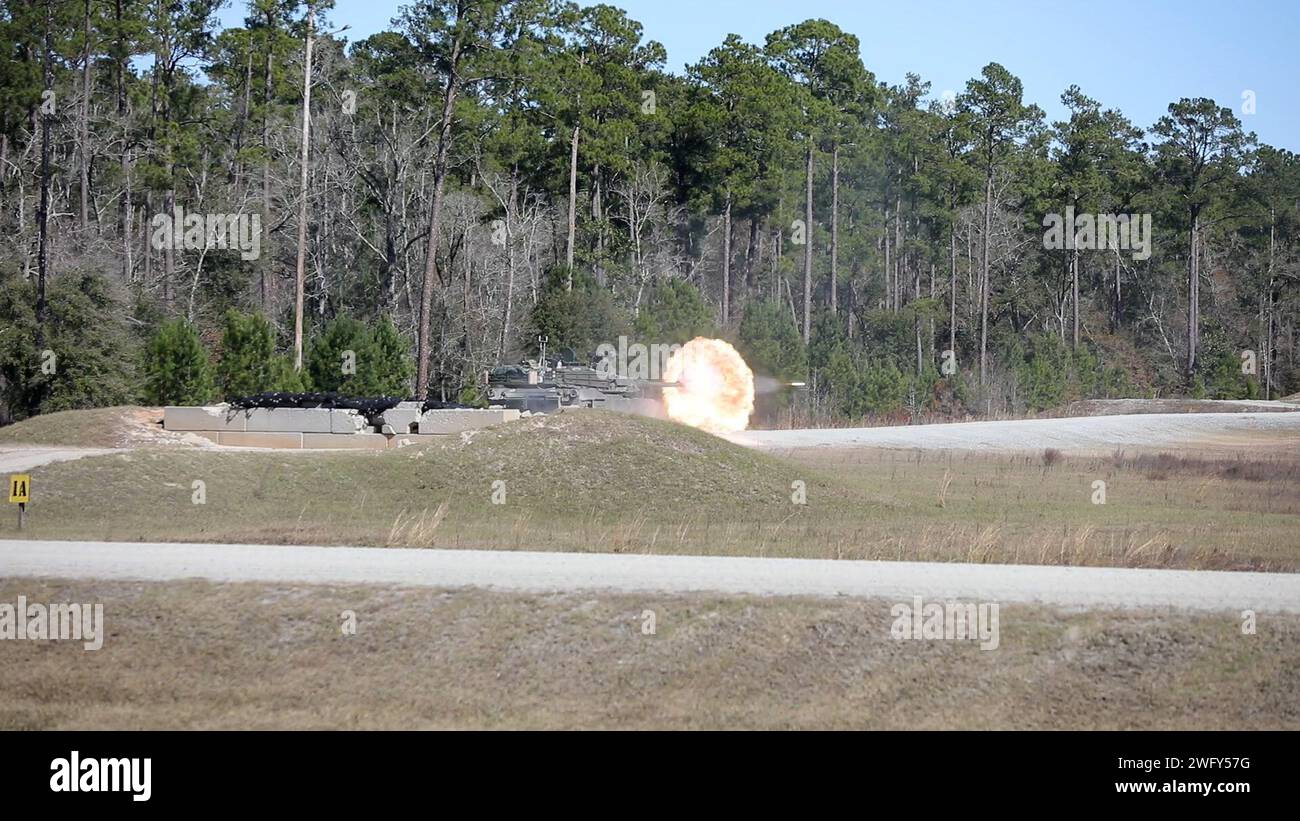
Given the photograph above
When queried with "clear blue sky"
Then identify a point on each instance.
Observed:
(1137, 56)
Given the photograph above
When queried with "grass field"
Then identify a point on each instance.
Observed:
(591, 481)
(207, 656)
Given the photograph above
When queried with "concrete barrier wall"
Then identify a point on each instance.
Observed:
(348, 421)
(460, 420)
(399, 420)
(336, 441)
(260, 439)
(327, 427)
(217, 417)
(290, 420)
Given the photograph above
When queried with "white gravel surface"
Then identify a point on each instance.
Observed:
(1075, 433)
(1070, 587)
(25, 457)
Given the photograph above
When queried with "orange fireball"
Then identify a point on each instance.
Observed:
(714, 390)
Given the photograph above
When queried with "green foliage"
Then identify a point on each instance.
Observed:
(353, 359)
(247, 363)
(1050, 375)
(1045, 373)
(889, 335)
(333, 357)
(472, 395)
(1223, 378)
(828, 339)
(770, 342)
(674, 313)
(85, 357)
(549, 92)
(742, 119)
(176, 367)
(581, 318)
(884, 388)
(284, 377)
(389, 361)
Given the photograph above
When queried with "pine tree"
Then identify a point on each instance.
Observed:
(247, 364)
(176, 366)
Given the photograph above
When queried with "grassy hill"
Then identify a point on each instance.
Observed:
(603, 482)
(97, 428)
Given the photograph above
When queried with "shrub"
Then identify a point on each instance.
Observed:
(770, 342)
(247, 363)
(86, 357)
(674, 313)
(580, 319)
(349, 358)
(176, 367)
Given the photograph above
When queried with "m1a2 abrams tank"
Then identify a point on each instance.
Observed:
(553, 382)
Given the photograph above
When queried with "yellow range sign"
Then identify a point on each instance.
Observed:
(20, 488)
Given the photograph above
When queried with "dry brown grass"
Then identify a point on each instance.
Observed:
(98, 428)
(608, 483)
(207, 656)
(1163, 466)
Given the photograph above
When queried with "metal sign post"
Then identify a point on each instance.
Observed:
(20, 493)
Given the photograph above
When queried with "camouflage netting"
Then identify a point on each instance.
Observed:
(368, 406)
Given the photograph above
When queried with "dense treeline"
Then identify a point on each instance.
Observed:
(488, 171)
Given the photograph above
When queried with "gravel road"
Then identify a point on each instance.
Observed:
(1092, 433)
(25, 457)
(1070, 587)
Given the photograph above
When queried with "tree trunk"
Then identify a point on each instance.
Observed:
(598, 217)
(573, 206)
(84, 128)
(1074, 286)
(897, 276)
(510, 263)
(835, 229)
(43, 212)
(726, 262)
(952, 292)
(1119, 295)
(916, 320)
(984, 277)
(124, 114)
(777, 253)
(1268, 308)
(1193, 296)
(169, 250)
(435, 219)
(237, 169)
(300, 273)
(753, 258)
(932, 333)
(807, 249)
(889, 283)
